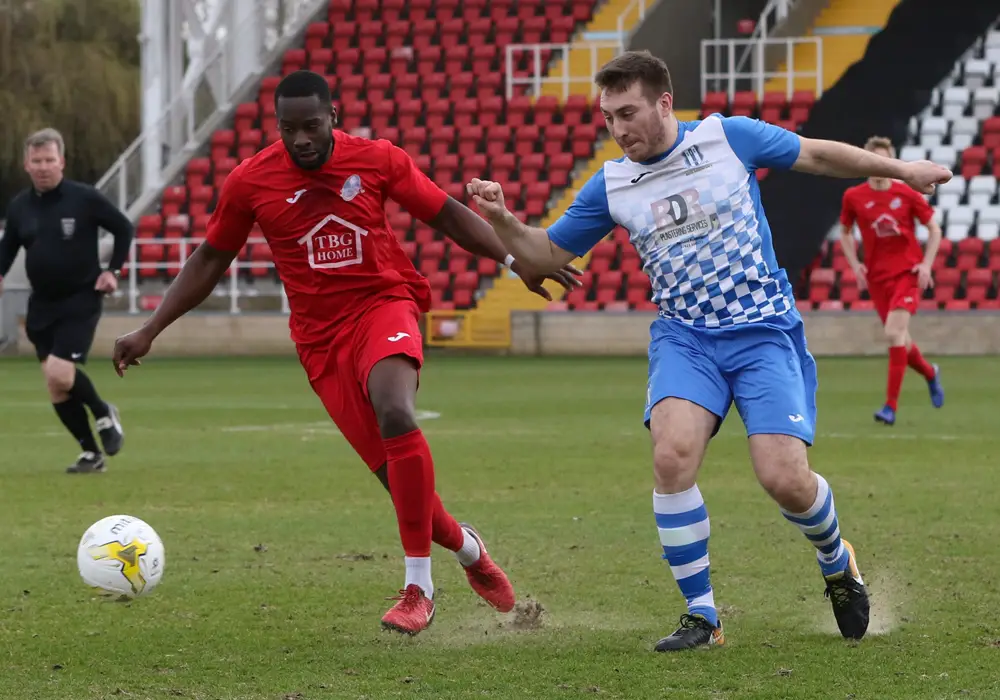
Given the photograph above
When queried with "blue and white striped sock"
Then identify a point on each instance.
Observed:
(682, 520)
(820, 526)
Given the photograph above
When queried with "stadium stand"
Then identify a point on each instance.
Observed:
(960, 128)
(429, 76)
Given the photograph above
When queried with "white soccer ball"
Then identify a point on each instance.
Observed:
(121, 555)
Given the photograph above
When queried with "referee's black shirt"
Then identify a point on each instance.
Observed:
(59, 232)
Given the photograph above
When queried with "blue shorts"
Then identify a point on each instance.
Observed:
(764, 367)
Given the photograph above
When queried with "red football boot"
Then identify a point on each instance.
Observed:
(487, 579)
(412, 614)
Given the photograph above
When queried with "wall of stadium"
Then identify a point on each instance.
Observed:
(553, 333)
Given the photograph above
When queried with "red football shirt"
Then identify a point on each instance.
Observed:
(887, 219)
(327, 228)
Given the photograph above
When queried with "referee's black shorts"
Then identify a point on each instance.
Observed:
(64, 327)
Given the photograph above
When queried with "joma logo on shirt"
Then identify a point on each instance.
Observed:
(333, 243)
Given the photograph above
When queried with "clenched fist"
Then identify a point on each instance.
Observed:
(488, 196)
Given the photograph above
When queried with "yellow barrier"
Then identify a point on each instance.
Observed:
(467, 329)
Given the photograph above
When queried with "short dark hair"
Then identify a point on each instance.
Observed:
(626, 69)
(303, 83)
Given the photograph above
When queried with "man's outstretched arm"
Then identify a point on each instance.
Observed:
(579, 229)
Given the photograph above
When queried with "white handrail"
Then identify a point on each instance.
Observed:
(735, 79)
(773, 14)
(185, 120)
(636, 6)
(538, 76)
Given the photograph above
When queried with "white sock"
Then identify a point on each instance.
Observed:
(469, 553)
(418, 571)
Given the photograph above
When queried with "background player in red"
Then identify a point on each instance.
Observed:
(355, 301)
(895, 270)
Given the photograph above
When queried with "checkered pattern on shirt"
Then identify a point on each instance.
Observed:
(715, 280)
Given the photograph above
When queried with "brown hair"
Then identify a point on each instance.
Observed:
(624, 70)
(43, 137)
(880, 142)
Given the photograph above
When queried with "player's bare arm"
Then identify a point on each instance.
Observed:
(850, 247)
(199, 276)
(530, 245)
(463, 226)
(835, 159)
(923, 270)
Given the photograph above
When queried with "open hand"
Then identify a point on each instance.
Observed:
(129, 348)
(567, 277)
(924, 279)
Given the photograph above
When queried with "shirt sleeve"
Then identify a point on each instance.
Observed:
(110, 218)
(761, 145)
(922, 209)
(230, 223)
(10, 244)
(847, 210)
(411, 188)
(587, 220)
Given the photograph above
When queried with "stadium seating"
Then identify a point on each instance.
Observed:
(429, 75)
(960, 129)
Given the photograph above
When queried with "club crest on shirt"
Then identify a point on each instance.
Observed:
(352, 188)
(68, 228)
(896, 203)
(333, 243)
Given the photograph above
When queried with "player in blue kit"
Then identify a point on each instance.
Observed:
(728, 330)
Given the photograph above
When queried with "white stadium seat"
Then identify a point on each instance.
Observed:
(910, 153)
(961, 216)
(981, 190)
(933, 131)
(964, 131)
(977, 72)
(944, 155)
(991, 47)
(984, 102)
(948, 201)
(955, 185)
(988, 231)
(954, 101)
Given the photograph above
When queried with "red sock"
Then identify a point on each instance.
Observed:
(917, 362)
(411, 484)
(446, 530)
(897, 368)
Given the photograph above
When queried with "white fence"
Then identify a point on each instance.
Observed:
(729, 76)
(600, 52)
(234, 287)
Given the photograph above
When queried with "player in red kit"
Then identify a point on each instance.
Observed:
(355, 299)
(895, 270)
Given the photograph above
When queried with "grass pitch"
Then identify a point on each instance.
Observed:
(280, 547)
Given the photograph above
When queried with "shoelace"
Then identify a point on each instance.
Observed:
(691, 622)
(410, 596)
(842, 590)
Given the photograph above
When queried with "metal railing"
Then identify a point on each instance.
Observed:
(234, 287)
(730, 78)
(206, 97)
(538, 75)
(629, 19)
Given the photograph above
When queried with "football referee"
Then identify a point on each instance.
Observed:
(57, 222)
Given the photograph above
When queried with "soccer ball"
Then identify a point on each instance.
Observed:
(121, 555)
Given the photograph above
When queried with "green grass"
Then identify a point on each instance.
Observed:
(549, 459)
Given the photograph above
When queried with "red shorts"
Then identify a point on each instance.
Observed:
(894, 293)
(338, 370)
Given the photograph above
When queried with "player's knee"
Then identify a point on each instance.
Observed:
(395, 417)
(783, 471)
(59, 376)
(675, 464)
(895, 335)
